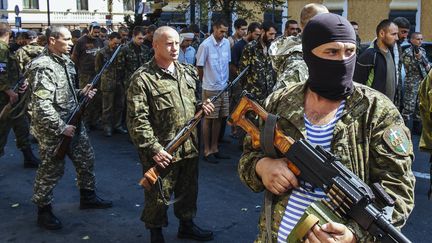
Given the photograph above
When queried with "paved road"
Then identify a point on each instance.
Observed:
(225, 205)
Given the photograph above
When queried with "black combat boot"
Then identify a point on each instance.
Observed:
(47, 219)
(156, 235)
(89, 199)
(189, 230)
(30, 161)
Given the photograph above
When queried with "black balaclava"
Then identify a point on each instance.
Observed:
(328, 78)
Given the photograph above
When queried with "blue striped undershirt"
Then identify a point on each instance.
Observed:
(303, 196)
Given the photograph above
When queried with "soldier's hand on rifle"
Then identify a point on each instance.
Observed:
(13, 97)
(275, 175)
(23, 87)
(69, 131)
(330, 232)
(163, 158)
(208, 107)
(87, 91)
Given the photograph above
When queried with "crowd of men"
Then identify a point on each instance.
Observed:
(161, 77)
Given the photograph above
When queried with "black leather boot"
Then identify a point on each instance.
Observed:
(89, 199)
(189, 230)
(47, 219)
(156, 235)
(30, 161)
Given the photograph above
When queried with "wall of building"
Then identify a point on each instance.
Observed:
(63, 12)
(368, 13)
(426, 19)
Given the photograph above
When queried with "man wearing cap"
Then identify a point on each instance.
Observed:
(356, 123)
(186, 52)
(26, 53)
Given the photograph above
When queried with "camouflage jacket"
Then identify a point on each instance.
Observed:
(425, 107)
(360, 138)
(54, 96)
(8, 68)
(158, 106)
(113, 74)
(287, 59)
(415, 69)
(132, 57)
(27, 53)
(260, 78)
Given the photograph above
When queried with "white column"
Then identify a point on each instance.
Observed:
(345, 9)
(284, 15)
(418, 16)
(209, 15)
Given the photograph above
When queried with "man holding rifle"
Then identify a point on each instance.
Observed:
(160, 100)
(54, 98)
(359, 125)
(9, 75)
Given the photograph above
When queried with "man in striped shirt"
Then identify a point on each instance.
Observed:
(357, 124)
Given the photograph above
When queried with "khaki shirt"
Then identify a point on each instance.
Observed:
(158, 106)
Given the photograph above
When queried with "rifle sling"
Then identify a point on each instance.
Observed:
(162, 194)
(267, 141)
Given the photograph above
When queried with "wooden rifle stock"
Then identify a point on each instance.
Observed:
(238, 118)
(75, 117)
(151, 176)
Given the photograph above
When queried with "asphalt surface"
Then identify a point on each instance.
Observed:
(225, 205)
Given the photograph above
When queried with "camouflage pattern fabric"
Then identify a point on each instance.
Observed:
(27, 53)
(415, 72)
(132, 57)
(425, 106)
(158, 105)
(53, 100)
(113, 93)
(260, 78)
(181, 180)
(8, 76)
(359, 139)
(93, 112)
(287, 59)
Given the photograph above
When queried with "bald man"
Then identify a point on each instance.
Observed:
(160, 99)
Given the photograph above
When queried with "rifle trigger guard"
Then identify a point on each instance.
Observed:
(267, 136)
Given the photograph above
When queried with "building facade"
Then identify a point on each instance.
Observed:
(71, 13)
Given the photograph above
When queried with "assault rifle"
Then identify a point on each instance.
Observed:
(8, 108)
(75, 118)
(349, 196)
(153, 174)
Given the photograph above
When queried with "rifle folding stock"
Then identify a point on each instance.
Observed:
(75, 118)
(349, 196)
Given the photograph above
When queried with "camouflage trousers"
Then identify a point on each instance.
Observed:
(51, 170)
(410, 105)
(182, 180)
(93, 111)
(113, 103)
(19, 125)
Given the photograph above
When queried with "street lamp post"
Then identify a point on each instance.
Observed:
(48, 10)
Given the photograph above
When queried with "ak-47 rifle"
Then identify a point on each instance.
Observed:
(349, 196)
(153, 174)
(8, 108)
(75, 117)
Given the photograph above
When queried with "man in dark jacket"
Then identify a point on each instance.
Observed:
(376, 67)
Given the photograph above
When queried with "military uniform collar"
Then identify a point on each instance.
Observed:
(159, 72)
(296, 97)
